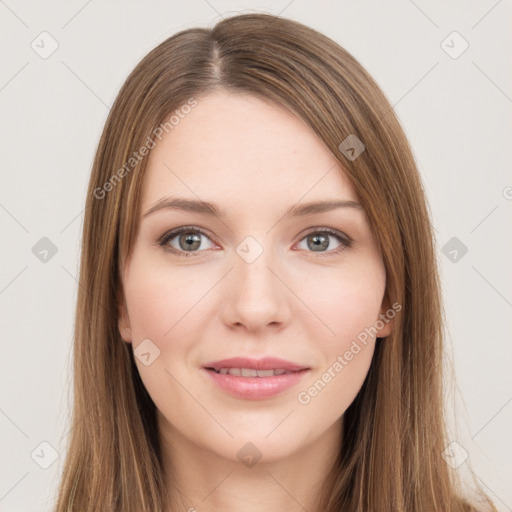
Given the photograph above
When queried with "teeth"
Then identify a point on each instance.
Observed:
(265, 373)
(250, 372)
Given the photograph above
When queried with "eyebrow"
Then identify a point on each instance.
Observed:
(212, 210)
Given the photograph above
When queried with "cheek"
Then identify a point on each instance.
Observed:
(160, 301)
(350, 311)
(166, 306)
(346, 301)
(163, 306)
(330, 392)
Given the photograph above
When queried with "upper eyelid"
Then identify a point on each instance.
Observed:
(172, 233)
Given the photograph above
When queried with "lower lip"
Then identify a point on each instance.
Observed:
(255, 388)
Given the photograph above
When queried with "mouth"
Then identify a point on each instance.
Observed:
(251, 372)
(245, 366)
(252, 379)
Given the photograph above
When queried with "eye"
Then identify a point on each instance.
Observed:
(188, 241)
(318, 240)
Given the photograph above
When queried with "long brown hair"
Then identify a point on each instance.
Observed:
(394, 431)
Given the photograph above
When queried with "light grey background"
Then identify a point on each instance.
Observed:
(455, 111)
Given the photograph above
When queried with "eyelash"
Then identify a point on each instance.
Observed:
(345, 241)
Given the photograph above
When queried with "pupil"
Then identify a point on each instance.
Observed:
(191, 240)
(320, 241)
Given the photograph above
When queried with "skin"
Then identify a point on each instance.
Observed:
(254, 160)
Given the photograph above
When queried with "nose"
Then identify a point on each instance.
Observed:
(255, 291)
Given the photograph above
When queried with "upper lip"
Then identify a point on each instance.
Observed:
(267, 363)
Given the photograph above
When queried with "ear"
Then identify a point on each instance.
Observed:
(385, 320)
(123, 321)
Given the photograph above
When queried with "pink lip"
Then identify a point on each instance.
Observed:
(255, 388)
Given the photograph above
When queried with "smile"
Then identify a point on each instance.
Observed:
(249, 372)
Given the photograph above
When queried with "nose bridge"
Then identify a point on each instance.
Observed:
(256, 296)
(254, 259)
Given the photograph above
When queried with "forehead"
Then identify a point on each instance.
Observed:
(241, 146)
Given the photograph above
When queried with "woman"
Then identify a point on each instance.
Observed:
(259, 323)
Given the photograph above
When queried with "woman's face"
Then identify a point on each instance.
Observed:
(250, 281)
